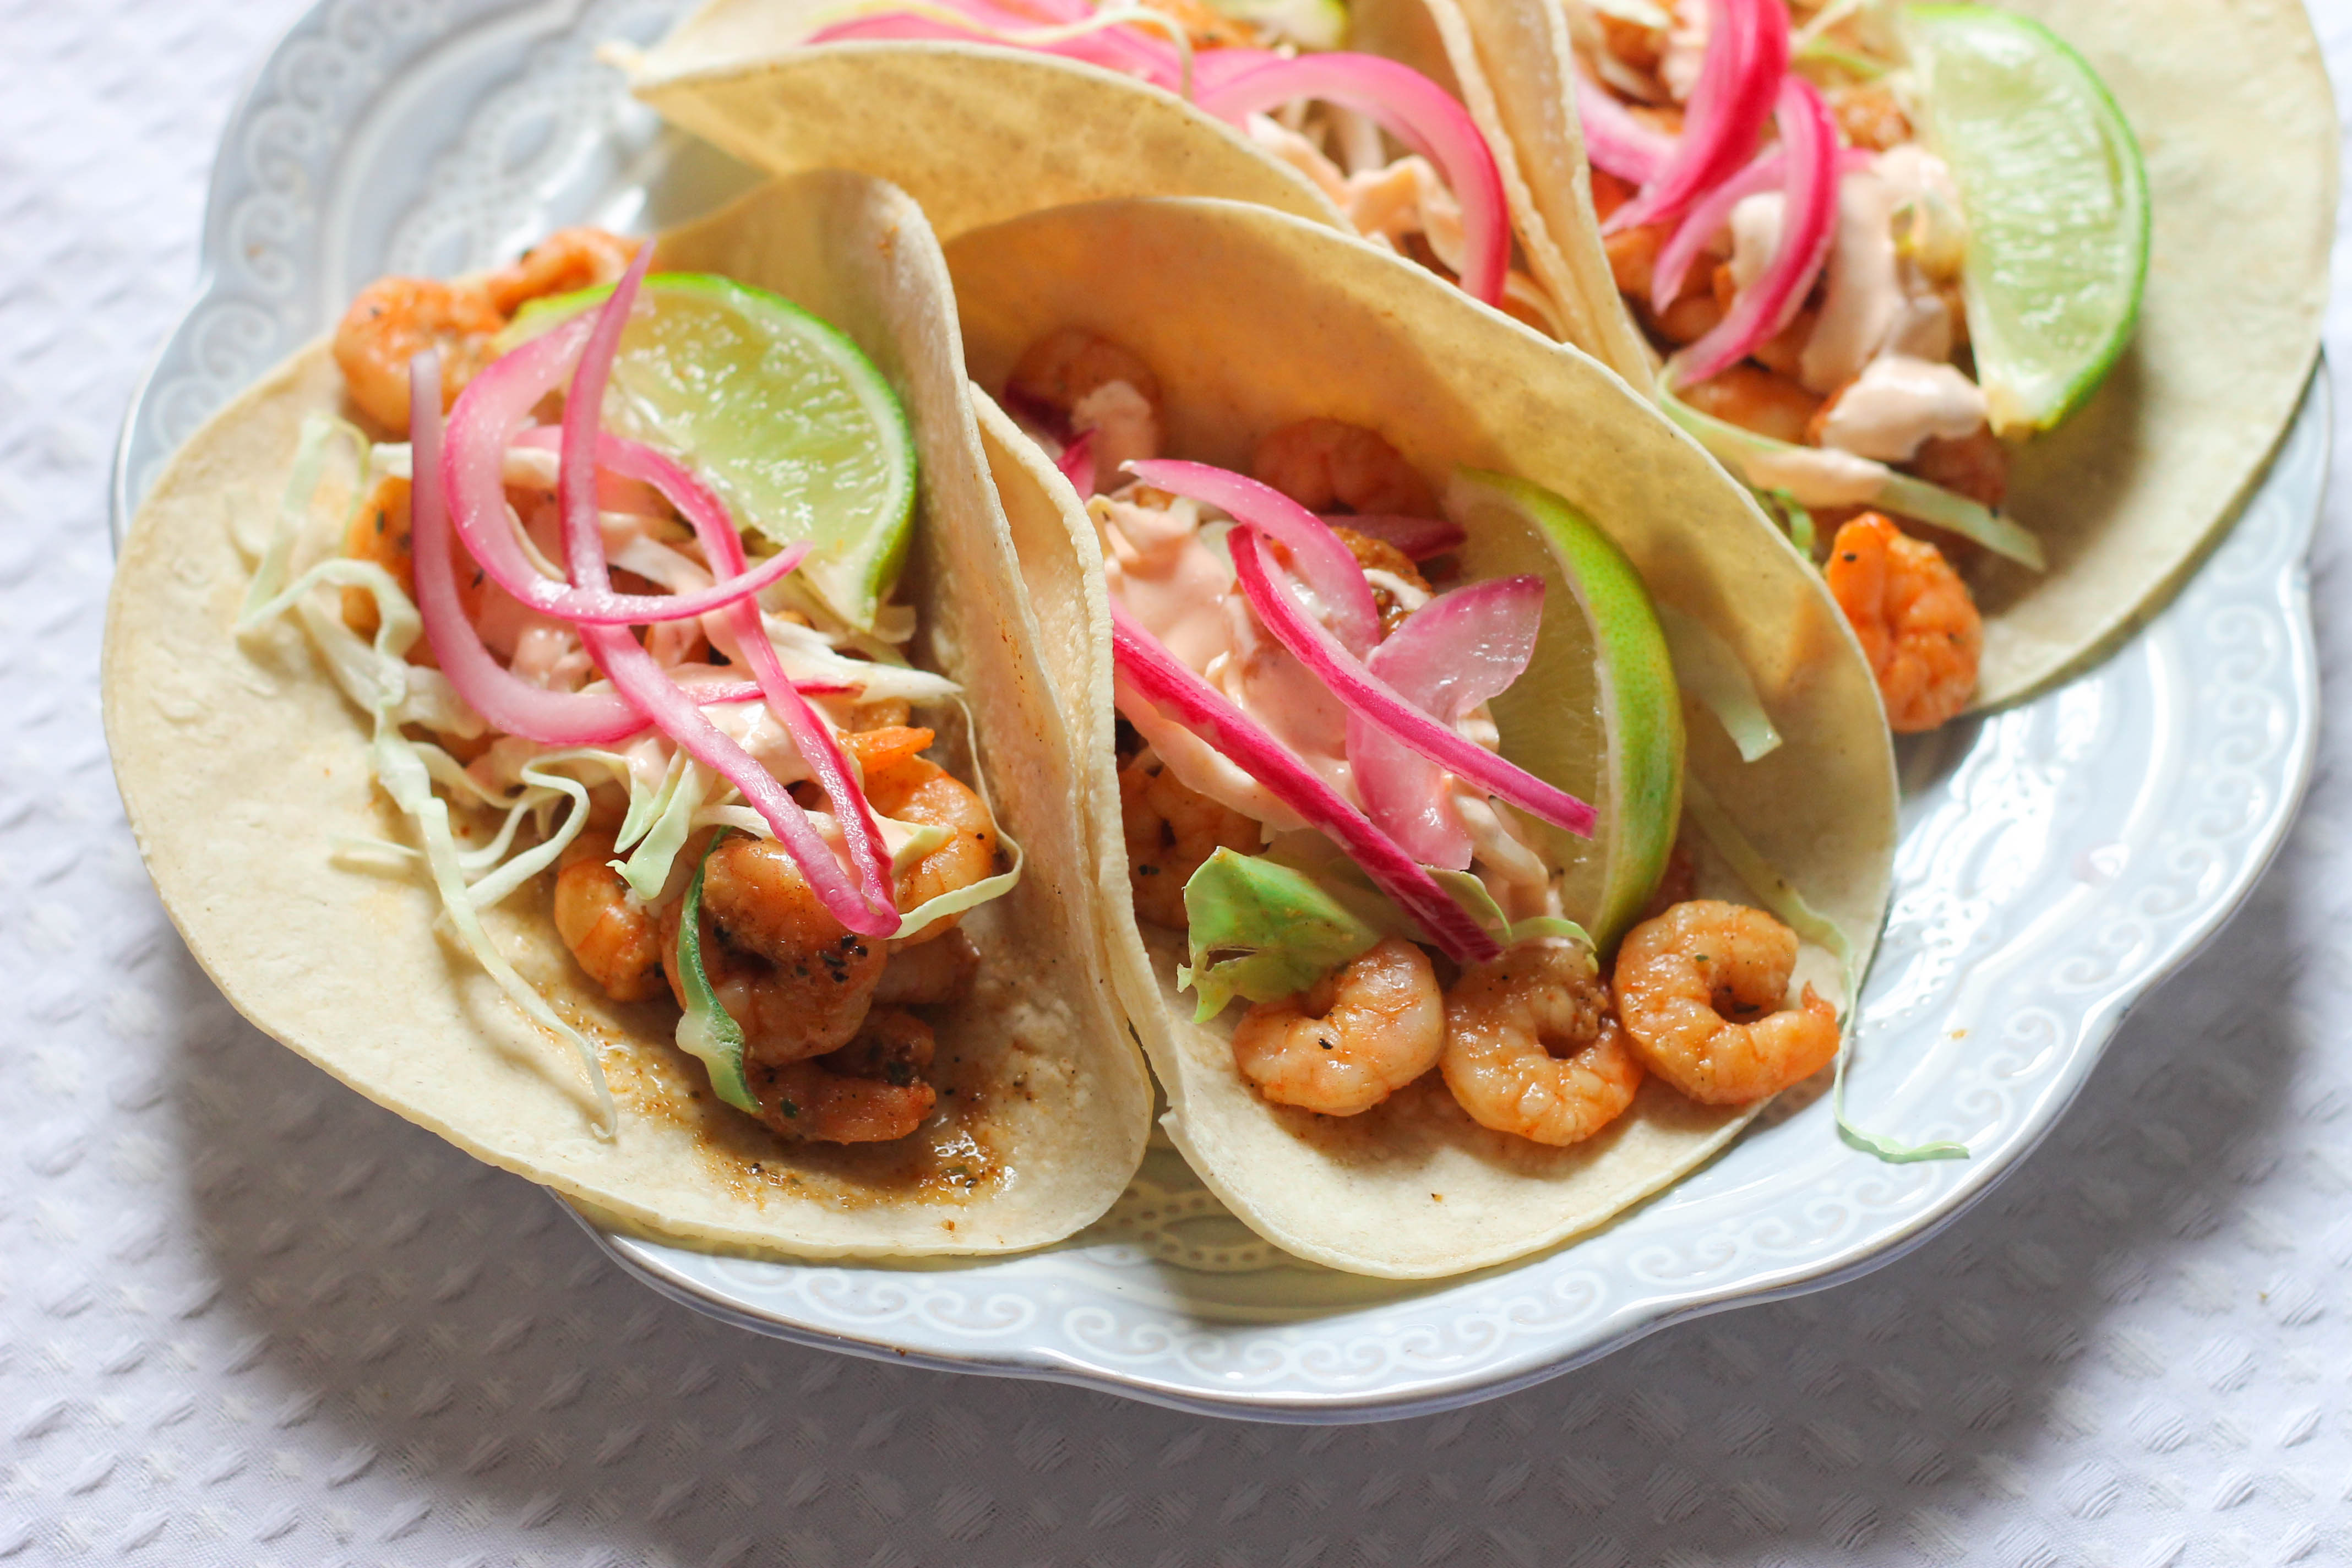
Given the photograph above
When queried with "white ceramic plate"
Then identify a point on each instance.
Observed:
(2057, 859)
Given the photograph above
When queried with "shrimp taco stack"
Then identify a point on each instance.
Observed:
(2038, 285)
(1001, 107)
(663, 799)
(1493, 810)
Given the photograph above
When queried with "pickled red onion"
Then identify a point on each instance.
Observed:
(1460, 649)
(503, 698)
(1419, 537)
(1808, 137)
(1614, 139)
(1077, 464)
(1165, 680)
(480, 427)
(1412, 108)
(864, 905)
(1377, 702)
(1747, 56)
(1706, 219)
(1327, 568)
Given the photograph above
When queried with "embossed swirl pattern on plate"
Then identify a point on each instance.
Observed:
(2056, 859)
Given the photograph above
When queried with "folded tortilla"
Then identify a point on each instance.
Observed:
(2235, 118)
(1252, 319)
(244, 769)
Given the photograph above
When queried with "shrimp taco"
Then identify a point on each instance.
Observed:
(1913, 281)
(626, 751)
(1493, 810)
(1002, 106)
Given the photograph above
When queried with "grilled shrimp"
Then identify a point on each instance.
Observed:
(796, 981)
(1533, 1047)
(1098, 385)
(1325, 463)
(1679, 975)
(1914, 617)
(393, 320)
(869, 1091)
(1171, 828)
(615, 938)
(1350, 1041)
(913, 789)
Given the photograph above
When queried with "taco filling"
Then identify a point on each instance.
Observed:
(1809, 210)
(1312, 791)
(1399, 157)
(593, 655)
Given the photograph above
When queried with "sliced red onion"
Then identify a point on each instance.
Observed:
(1705, 220)
(1380, 703)
(1163, 681)
(864, 904)
(1613, 138)
(1343, 598)
(504, 699)
(1112, 48)
(1078, 463)
(1747, 56)
(480, 428)
(1419, 537)
(1458, 650)
(1408, 106)
(1808, 137)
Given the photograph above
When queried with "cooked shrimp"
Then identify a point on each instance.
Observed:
(1206, 26)
(1870, 116)
(1351, 1040)
(1913, 614)
(1755, 400)
(379, 533)
(392, 322)
(1379, 556)
(1100, 386)
(1325, 463)
(794, 978)
(1678, 974)
(1532, 1047)
(869, 1091)
(611, 935)
(913, 789)
(1975, 466)
(567, 259)
(1171, 828)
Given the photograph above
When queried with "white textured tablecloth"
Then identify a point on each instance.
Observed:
(246, 1317)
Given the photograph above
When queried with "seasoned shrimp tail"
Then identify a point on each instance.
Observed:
(1533, 1047)
(1917, 623)
(1700, 990)
(1349, 1043)
(615, 938)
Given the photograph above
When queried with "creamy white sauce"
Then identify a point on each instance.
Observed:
(1899, 402)
(1685, 51)
(1817, 475)
(1126, 428)
(1406, 595)
(1756, 223)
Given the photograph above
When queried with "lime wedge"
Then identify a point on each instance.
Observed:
(2057, 200)
(775, 410)
(1597, 712)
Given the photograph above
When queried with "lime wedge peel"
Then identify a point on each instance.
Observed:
(1636, 782)
(2057, 199)
(778, 411)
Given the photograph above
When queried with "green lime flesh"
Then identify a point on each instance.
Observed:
(778, 412)
(1597, 712)
(2057, 200)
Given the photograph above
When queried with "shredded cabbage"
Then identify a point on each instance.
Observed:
(376, 677)
(1709, 669)
(1800, 917)
(706, 1030)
